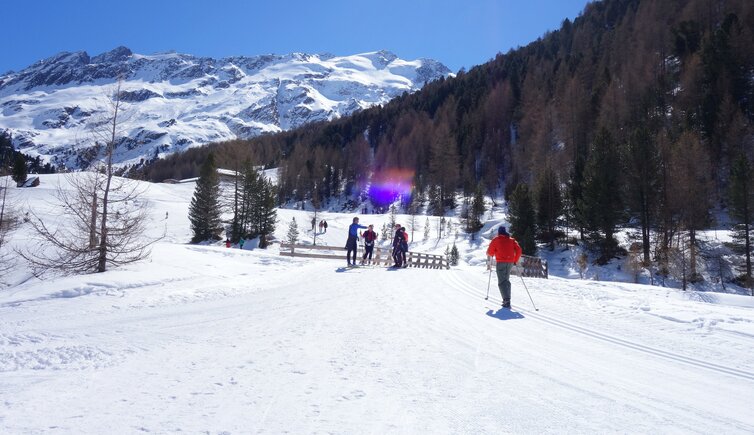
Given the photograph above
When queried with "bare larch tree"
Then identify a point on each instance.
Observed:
(104, 218)
(8, 222)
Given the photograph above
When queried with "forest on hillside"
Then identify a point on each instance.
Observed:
(638, 112)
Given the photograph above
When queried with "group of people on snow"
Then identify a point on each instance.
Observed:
(241, 242)
(322, 225)
(400, 244)
(503, 250)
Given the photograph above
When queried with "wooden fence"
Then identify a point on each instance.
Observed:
(533, 267)
(380, 256)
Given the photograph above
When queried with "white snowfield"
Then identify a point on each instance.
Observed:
(206, 339)
(173, 102)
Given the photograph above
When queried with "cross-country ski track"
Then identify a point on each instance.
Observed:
(208, 339)
(560, 323)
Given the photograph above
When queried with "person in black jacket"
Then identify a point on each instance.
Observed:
(398, 241)
(404, 246)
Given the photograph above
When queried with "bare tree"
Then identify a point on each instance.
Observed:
(8, 222)
(691, 196)
(412, 222)
(103, 220)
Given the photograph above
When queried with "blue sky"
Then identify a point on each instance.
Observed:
(449, 31)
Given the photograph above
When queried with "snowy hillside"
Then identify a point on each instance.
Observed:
(177, 101)
(221, 340)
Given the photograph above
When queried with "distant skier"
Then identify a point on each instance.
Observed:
(398, 241)
(324, 225)
(404, 246)
(321, 225)
(353, 237)
(227, 243)
(507, 252)
(240, 243)
(369, 237)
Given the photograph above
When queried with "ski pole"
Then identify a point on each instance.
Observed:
(488, 279)
(488, 285)
(527, 292)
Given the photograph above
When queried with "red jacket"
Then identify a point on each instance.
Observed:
(505, 249)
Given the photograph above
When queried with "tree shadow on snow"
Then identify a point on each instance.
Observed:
(505, 314)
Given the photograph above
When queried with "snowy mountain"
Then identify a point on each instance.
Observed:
(216, 340)
(177, 101)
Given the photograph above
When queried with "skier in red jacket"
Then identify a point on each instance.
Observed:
(507, 252)
(369, 237)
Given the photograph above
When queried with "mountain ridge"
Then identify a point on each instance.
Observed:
(182, 101)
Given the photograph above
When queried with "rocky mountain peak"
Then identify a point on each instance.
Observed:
(118, 54)
(177, 101)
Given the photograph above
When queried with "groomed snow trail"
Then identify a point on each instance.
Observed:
(204, 339)
(219, 340)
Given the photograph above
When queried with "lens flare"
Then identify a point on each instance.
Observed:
(391, 184)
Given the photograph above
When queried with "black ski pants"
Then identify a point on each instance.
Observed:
(368, 249)
(351, 247)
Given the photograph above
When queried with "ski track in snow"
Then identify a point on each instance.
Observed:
(204, 339)
(463, 286)
(389, 358)
(746, 375)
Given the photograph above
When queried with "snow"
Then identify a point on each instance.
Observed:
(202, 338)
(203, 100)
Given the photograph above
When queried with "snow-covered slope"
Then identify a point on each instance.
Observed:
(176, 101)
(215, 340)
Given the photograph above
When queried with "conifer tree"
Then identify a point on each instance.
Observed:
(465, 210)
(19, 173)
(412, 219)
(476, 211)
(264, 212)
(601, 200)
(690, 192)
(236, 205)
(642, 170)
(741, 197)
(249, 188)
(385, 232)
(6, 151)
(549, 206)
(453, 256)
(522, 219)
(392, 215)
(443, 166)
(574, 197)
(204, 209)
(292, 236)
(434, 199)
